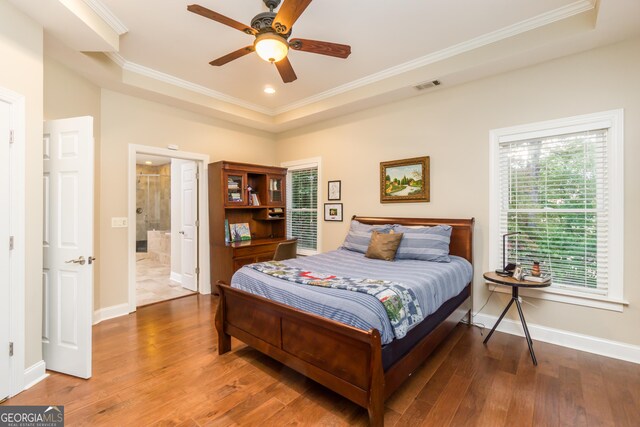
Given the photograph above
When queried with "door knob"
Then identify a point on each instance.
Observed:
(91, 259)
(181, 232)
(80, 261)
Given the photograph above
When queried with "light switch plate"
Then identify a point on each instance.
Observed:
(119, 222)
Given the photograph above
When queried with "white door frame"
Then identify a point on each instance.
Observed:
(17, 229)
(202, 160)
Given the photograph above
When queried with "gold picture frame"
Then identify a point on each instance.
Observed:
(405, 181)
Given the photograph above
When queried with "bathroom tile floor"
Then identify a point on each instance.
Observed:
(153, 283)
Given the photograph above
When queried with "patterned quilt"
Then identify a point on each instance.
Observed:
(400, 303)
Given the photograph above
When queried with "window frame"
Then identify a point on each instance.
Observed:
(307, 164)
(612, 120)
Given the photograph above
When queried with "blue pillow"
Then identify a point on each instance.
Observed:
(424, 243)
(359, 235)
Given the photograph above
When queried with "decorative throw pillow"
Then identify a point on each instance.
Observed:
(360, 234)
(425, 243)
(383, 246)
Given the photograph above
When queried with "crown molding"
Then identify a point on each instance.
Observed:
(184, 84)
(538, 21)
(116, 58)
(107, 16)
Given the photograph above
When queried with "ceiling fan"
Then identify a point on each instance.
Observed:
(272, 31)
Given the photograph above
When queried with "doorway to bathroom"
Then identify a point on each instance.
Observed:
(166, 207)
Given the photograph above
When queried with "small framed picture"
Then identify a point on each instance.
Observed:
(334, 190)
(333, 211)
(518, 273)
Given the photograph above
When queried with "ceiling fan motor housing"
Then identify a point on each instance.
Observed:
(262, 24)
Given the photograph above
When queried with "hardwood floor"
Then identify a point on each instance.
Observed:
(160, 367)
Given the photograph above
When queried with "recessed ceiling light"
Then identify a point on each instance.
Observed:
(269, 90)
(148, 162)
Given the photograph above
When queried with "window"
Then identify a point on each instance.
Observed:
(560, 185)
(302, 204)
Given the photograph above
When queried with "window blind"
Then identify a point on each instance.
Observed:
(554, 190)
(302, 207)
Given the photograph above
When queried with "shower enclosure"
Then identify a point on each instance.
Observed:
(153, 203)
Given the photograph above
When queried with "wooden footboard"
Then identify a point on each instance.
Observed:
(340, 357)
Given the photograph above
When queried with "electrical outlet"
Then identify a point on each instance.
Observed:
(119, 222)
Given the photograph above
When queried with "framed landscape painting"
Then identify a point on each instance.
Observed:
(405, 180)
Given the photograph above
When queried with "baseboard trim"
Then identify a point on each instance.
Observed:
(590, 344)
(110, 312)
(176, 277)
(34, 374)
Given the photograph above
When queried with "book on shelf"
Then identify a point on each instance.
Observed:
(255, 200)
(538, 279)
(227, 235)
(235, 197)
(275, 213)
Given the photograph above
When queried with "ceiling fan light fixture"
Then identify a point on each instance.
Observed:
(271, 47)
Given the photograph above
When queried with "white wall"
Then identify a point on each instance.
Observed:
(452, 126)
(21, 71)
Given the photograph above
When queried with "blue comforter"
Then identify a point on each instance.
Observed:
(432, 282)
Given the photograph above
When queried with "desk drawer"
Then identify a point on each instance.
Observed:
(255, 250)
(241, 261)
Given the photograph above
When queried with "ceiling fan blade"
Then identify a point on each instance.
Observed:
(286, 70)
(323, 48)
(231, 56)
(207, 13)
(288, 14)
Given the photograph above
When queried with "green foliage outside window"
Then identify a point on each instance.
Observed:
(303, 207)
(556, 192)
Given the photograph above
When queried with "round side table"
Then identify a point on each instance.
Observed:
(515, 286)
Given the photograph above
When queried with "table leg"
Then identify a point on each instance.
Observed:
(498, 322)
(526, 333)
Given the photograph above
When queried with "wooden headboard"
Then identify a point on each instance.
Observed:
(461, 235)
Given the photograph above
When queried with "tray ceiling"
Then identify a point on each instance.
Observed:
(163, 50)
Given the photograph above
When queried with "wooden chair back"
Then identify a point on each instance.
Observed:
(286, 250)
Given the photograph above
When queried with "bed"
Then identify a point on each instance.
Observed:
(359, 361)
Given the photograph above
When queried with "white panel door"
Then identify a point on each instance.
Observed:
(188, 230)
(5, 121)
(67, 276)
